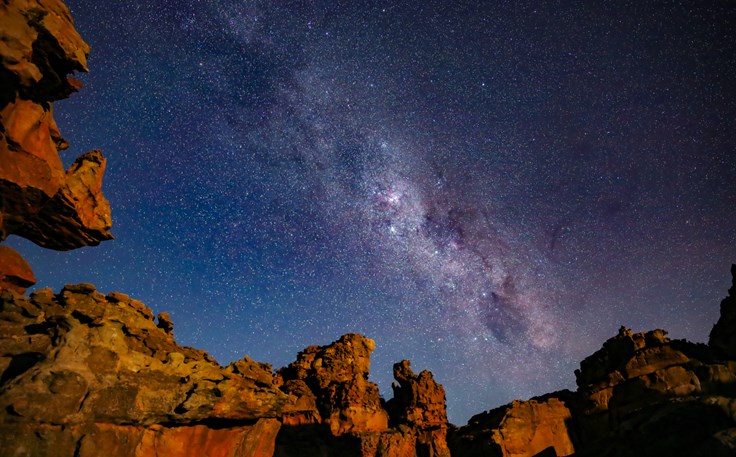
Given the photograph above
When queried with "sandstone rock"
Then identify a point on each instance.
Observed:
(254, 439)
(418, 400)
(338, 412)
(640, 394)
(60, 210)
(337, 378)
(39, 47)
(164, 323)
(77, 215)
(723, 335)
(79, 360)
(15, 273)
(519, 429)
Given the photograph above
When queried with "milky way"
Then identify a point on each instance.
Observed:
(489, 190)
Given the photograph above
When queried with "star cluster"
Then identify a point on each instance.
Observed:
(488, 189)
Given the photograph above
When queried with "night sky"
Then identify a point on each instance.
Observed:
(489, 189)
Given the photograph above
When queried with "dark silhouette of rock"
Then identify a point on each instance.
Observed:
(723, 335)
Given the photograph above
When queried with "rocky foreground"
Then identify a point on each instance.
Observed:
(89, 374)
(641, 394)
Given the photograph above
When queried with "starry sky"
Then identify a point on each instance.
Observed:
(489, 189)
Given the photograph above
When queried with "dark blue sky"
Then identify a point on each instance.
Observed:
(489, 190)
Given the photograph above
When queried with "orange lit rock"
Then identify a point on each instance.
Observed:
(419, 403)
(336, 381)
(60, 210)
(418, 399)
(79, 358)
(519, 429)
(15, 273)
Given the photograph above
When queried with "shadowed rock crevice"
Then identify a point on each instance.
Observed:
(19, 364)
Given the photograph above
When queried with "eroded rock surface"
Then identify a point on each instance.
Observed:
(334, 378)
(99, 374)
(15, 273)
(97, 371)
(338, 411)
(539, 426)
(40, 201)
(640, 394)
(419, 403)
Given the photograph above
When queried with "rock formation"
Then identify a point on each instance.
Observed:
(88, 374)
(334, 380)
(342, 409)
(39, 201)
(521, 428)
(723, 337)
(94, 372)
(640, 394)
(15, 273)
(97, 373)
(419, 403)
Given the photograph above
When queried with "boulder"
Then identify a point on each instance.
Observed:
(15, 273)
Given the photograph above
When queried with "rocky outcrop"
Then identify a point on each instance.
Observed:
(640, 394)
(55, 209)
(539, 426)
(15, 273)
(97, 372)
(419, 404)
(338, 412)
(90, 374)
(334, 379)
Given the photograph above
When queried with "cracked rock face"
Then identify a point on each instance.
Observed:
(79, 366)
(39, 200)
(334, 380)
(338, 412)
